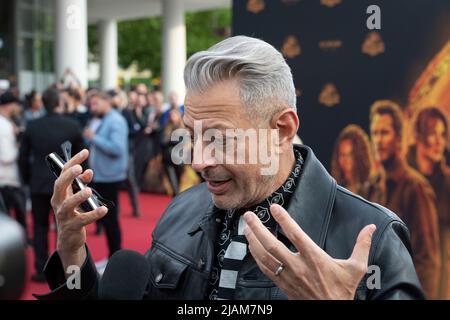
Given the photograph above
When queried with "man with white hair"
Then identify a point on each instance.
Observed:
(249, 233)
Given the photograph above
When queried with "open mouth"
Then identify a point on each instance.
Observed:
(217, 187)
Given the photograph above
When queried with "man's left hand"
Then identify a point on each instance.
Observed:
(309, 273)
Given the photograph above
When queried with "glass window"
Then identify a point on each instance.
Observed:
(26, 3)
(26, 20)
(26, 50)
(48, 24)
(35, 42)
(38, 55)
(47, 55)
(46, 4)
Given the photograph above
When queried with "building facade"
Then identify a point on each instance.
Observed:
(41, 39)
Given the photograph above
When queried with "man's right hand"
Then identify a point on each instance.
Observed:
(70, 221)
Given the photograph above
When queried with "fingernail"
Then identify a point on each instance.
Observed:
(87, 191)
(275, 210)
(248, 216)
(76, 169)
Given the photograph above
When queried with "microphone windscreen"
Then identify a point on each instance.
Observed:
(12, 259)
(126, 276)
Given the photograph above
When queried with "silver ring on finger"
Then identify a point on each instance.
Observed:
(279, 270)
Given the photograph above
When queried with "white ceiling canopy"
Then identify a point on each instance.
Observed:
(137, 9)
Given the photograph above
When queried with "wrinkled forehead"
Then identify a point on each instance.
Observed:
(219, 105)
(217, 117)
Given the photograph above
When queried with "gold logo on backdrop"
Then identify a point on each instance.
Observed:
(330, 3)
(298, 92)
(373, 45)
(329, 45)
(329, 95)
(256, 6)
(291, 47)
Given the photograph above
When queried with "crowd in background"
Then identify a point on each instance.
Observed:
(124, 132)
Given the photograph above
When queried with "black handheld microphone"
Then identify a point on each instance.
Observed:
(12, 259)
(126, 276)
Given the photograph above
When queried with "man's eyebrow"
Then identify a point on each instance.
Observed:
(219, 127)
(206, 126)
(185, 122)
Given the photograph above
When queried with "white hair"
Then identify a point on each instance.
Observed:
(265, 79)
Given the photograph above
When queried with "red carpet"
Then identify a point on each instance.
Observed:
(136, 234)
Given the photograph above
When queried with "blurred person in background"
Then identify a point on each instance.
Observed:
(69, 80)
(174, 101)
(156, 111)
(108, 146)
(115, 100)
(33, 106)
(94, 120)
(173, 171)
(75, 109)
(141, 88)
(150, 99)
(427, 156)
(172, 104)
(154, 121)
(93, 125)
(137, 116)
(119, 99)
(11, 190)
(132, 99)
(42, 137)
(123, 99)
(120, 103)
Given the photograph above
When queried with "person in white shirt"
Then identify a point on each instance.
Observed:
(10, 184)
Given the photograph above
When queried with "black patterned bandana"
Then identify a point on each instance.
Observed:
(231, 244)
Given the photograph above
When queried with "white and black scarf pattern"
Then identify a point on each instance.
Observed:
(231, 245)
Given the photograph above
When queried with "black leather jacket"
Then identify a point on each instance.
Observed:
(183, 242)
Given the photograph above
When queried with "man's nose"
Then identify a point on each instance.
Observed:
(201, 164)
(202, 160)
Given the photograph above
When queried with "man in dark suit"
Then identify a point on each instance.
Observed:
(44, 136)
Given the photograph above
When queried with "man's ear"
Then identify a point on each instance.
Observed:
(287, 122)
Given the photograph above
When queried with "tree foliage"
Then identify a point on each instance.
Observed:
(140, 40)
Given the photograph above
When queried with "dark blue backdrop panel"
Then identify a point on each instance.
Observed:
(412, 31)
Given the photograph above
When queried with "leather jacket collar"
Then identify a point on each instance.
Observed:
(310, 206)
